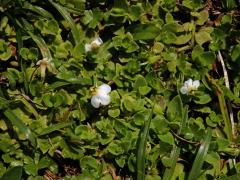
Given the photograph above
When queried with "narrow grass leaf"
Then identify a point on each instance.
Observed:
(38, 40)
(68, 18)
(223, 107)
(176, 150)
(29, 107)
(199, 159)
(54, 127)
(38, 10)
(19, 46)
(141, 148)
(14, 173)
(22, 64)
(16, 121)
(57, 85)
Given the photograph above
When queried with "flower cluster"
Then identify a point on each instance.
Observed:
(189, 86)
(95, 44)
(101, 96)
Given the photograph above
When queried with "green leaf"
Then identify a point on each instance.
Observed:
(92, 17)
(169, 172)
(88, 162)
(193, 4)
(5, 51)
(13, 173)
(29, 54)
(114, 112)
(68, 18)
(182, 39)
(141, 147)
(139, 82)
(37, 39)
(202, 99)
(38, 10)
(207, 58)
(145, 32)
(202, 37)
(175, 109)
(144, 90)
(202, 16)
(235, 53)
(16, 121)
(200, 157)
(115, 148)
(54, 127)
(167, 138)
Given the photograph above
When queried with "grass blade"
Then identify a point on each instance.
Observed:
(19, 46)
(16, 121)
(223, 107)
(54, 127)
(22, 64)
(38, 40)
(202, 152)
(141, 148)
(38, 10)
(176, 150)
(68, 18)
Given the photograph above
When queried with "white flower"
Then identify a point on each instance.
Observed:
(95, 44)
(101, 96)
(43, 65)
(189, 86)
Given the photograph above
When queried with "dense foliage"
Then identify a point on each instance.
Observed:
(173, 71)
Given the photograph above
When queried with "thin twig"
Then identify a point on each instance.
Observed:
(226, 79)
(185, 140)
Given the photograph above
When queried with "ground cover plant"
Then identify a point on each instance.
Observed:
(119, 89)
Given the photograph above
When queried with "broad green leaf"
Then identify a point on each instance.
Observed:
(5, 51)
(202, 16)
(175, 109)
(202, 37)
(235, 53)
(182, 39)
(207, 58)
(115, 148)
(202, 98)
(114, 112)
(13, 173)
(145, 32)
(167, 138)
(193, 4)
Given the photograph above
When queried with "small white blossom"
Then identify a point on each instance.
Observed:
(43, 65)
(101, 96)
(189, 86)
(95, 44)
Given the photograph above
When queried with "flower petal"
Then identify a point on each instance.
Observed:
(98, 41)
(104, 89)
(95, 101)
(196, 84)
(104, 99)
(184, 90)
(88, 47)
(188, 83)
